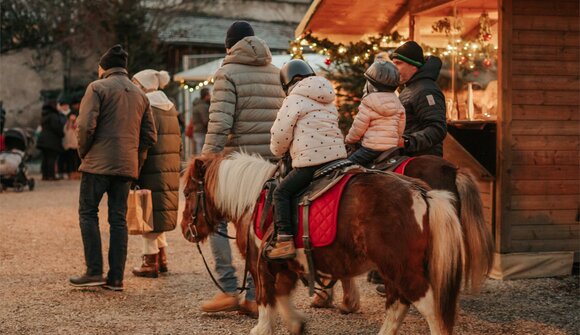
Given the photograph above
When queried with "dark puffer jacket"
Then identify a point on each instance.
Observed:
(424, 104)
(52, 129)
(247, 95)
(160, 172)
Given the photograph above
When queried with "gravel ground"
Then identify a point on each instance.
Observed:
(42, 247)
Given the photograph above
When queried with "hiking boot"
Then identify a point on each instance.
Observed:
(114, 285)
(148, 268)
(162, 260)
(249, 308)
(221, 302)
(283, 248)
(381, 290)
(86, 280)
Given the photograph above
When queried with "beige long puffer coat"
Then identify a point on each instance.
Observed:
(246, 97)
(307, 125)
(380, 122)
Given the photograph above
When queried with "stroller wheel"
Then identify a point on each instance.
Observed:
(31, 184)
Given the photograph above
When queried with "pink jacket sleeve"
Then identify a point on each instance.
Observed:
(401, 130)
(359, 125)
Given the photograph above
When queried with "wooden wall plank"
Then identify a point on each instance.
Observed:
(541, 143)
(541, 53)
(554, 172)
(547, 157)
(541, 7)
(543, 217)
(544, 22)
(547, 187)
(546, 82)
(547, 112)
(546, 38)
(546, 232)
(527, 202)
(540, 97)
(546, 67)
(547, 127)
(548, 245)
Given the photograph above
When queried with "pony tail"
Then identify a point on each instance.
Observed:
(478, 239)
(163, 78)
(446, 258)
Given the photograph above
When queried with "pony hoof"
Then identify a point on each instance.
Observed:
(300, 329)
(322, 300)
(260, 331)
(344, 309)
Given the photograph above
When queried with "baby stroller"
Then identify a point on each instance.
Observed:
(13, 169)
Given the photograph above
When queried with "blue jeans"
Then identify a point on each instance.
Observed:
(364, 156)
(93, 187)
(222, 254)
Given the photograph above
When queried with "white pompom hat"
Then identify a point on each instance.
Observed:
(152, 80)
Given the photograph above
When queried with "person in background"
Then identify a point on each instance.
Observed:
(200, 118)
(246, 97)
(63, 106)
(380, 120)
(70, 156)
(423, 100)
(115, 130)
(50, 139)
(160, 172)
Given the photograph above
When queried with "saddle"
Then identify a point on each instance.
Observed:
(389, 160)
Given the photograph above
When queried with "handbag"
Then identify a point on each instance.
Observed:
(139, 211)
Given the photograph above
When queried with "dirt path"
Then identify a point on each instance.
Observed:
(41, 247)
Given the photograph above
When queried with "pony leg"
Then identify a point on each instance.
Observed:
(266, 321)
(285, 284)
(351, 297)
(396, 313)
(426, 306)
(323, 298)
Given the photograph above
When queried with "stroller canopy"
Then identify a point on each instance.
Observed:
(17, 138)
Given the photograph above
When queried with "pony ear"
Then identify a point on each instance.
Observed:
(199, 168)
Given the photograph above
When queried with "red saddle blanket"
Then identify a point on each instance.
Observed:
(322, 216)
(401, 168)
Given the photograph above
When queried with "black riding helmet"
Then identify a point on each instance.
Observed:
(294, 71)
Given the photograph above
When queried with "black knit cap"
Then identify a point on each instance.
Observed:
(411, 53)
(114, 57)
(237, 31)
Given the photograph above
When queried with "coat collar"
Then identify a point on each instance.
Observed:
(115, 70)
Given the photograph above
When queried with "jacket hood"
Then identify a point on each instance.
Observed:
(384, 103)
(429, 70)
(315, 88)
(159, 100)
(250, 50)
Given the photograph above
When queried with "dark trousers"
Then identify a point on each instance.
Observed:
(289, 187)
(364, 156)
(48, 163)
(69, 161)
(93, 187)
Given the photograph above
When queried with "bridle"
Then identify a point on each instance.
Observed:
(192, 231)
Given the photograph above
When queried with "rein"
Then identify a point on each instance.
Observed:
(192, 230)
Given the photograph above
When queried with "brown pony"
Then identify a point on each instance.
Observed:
(441, 174)
(392, 223)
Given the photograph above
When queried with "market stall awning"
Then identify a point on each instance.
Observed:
(205, 72)
(351, 20)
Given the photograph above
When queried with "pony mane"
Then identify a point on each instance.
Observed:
(240, 178)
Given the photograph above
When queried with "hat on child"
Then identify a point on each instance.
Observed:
(114, 57)
(383, 75)
(237, 31)
(410, 53)
(152, 80)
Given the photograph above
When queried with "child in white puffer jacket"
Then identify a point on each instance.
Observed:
(307, 127)
(380, 121)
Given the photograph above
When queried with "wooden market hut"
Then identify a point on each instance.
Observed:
(524, 149)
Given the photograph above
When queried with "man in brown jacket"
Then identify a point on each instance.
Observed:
(115, 129)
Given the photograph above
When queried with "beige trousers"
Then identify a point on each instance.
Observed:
(152, 242)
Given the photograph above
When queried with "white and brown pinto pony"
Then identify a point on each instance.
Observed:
(391, 223)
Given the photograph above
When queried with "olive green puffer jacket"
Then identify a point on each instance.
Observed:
(160, 172)
(246, 97)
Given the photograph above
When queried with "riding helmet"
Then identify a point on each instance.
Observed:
(383, 75)
(294, 71)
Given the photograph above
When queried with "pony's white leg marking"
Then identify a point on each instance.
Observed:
(419, 208)
(426, 306)
(292, 317)
(351, 299)
(266, 321)
(395, 315)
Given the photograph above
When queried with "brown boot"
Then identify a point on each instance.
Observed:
(162, 260)
(149, 268)
(249, 308)
(221, 302)
(284, 248)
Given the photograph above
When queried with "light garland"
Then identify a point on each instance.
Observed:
(187, 87)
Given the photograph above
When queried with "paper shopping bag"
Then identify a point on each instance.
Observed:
(139, 212)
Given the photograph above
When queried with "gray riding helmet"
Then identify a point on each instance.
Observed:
(383, 75)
